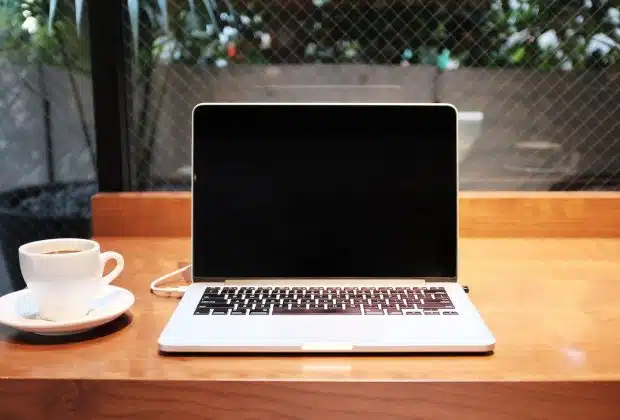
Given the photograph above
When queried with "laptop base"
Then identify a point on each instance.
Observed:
(455, 329)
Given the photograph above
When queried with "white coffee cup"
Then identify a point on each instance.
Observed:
(64, 275)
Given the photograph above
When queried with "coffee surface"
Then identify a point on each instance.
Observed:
(62, 251)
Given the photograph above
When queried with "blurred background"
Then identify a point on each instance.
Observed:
(536, 81)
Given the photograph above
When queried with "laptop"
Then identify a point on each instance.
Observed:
(325, 228)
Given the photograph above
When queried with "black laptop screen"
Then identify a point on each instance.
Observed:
(307, 191)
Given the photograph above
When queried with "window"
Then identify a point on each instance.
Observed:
(536, 81)
(47, 136)
(107, 107)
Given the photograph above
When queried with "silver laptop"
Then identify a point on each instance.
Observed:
(325, 228)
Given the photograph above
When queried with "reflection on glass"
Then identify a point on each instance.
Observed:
(540, 73)
(47, 143)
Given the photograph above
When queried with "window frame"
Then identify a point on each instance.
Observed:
(481, 214)
(111, 99)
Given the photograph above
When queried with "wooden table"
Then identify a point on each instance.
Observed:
(553, 305)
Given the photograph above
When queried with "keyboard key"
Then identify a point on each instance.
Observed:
(355, 310)
(202, 311)
(212, 300)
(431, 299)
(287, 311)
(259, 311)
(220, 312)
(373, 311)
(219, 305)
(327, 311)
(316, 311)
(426, 305)
(331, 300)
(271, 300)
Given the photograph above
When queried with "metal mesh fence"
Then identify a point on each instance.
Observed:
(537, 81)
(46, 131)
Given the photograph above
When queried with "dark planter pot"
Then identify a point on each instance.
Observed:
(42, 212)
(169, 184)
(50, 211)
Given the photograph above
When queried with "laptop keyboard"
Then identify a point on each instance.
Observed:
(431, 301)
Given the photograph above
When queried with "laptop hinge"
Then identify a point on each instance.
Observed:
(318, 282)
(338, 281)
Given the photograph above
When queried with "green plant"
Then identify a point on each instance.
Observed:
(158, 13)
(241, 39)
(208, 35)
(24, 37)
(321, 47)
(532, 34)
(25, 42)
(431, 52)
(205, 32)
(546, 35)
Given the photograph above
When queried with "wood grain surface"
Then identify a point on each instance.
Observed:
(180, 400)
(551, 303)
(481, 214)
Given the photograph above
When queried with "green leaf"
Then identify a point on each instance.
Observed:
(193, 17)
(163, 6)
(231, 9)
(79, 4)
(134, 11)
(211, 14)
(192, 6)
(52, 12)
(517, 55)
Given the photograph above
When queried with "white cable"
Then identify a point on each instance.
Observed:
(169, 291)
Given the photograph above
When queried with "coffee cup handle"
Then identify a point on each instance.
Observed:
(120, 264)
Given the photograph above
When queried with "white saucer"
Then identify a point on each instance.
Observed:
(18, 310)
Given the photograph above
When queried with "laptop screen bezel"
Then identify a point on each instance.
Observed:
(201, 107)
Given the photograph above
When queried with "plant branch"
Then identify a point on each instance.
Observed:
(231, 9)
(142, 150)
(78, 101)
(211, 12)
(47, 123)
(160, 102)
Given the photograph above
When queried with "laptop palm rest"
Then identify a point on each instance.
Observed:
(321, 333)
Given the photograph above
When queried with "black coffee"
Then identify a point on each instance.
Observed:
(62, 251)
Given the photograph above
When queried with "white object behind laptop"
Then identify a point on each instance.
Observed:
(260, 220)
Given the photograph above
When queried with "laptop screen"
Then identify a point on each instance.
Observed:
(324, 191)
